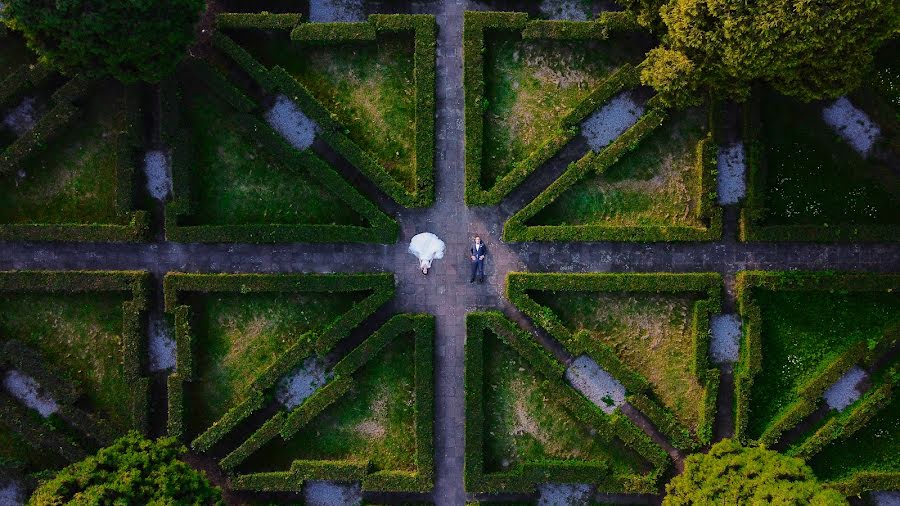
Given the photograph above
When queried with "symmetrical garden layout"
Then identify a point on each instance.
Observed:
(221, 258)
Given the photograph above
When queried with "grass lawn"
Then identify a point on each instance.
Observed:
(369, 87)
(235, 183)
(654, 185)
(522, 424)
(886, 79)
(374, 422)
(74, 179)
(16, 452)
(872, 448)
(237, 336)
(530, 85)
(814, 177)
(14, 52)
(79, 336)
(801, 330)
(649, 333)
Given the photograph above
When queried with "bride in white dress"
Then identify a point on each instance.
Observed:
(426, 247)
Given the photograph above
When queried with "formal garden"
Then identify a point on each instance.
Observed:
(691, 214)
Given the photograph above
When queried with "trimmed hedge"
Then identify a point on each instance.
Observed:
(28, 360)
(60, 116)
(475, 25)
(751, 222)
(256, 21)
(750, 362)
(638, 388)
(525, 477)
(320, 341)
(422, 328)
(277, 81)
(382, 228)
(515, 229)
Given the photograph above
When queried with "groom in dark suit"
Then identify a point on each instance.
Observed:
(478, 252)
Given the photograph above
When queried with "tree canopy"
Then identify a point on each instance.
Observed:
(733, 474)
(809, 50)
(131, 40)
(133, 470)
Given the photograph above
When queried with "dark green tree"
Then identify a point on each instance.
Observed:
(733, 474)
(131, 40)
(806, 49)
(133, 470)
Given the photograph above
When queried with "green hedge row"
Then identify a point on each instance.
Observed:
(752, 226)
(475, 26)
(516, 229)
(525, 477)
(638, 387)
(256, 21)
(421, 327)
(382, 228)
(135, 223)
(40, 434)
(18, 81)
(277, 81)
(175, 284)
(751, 355)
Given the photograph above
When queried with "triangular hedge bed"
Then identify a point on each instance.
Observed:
(276, 80)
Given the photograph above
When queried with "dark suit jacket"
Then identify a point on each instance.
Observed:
(481, 252)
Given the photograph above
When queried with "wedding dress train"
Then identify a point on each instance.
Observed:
(426, 247)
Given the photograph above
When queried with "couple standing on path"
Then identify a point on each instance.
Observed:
(427, 247)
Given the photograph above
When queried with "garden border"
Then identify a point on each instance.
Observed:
(639, 390)
(525, 477)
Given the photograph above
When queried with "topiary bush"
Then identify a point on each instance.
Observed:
(132, 470)
(733, 474)
(131, 40)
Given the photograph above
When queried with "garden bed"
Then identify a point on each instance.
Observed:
(529, 84)
(525, 426)
(802, 333)
(806, 183)
(236, 179)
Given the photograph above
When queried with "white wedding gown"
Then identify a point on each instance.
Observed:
(426, 247)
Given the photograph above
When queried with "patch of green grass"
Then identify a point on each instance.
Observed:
(886, 78)
(237, 336)
(369, 87)
(802, 330)
(374, 422)
(79, 336)
(234, 182)
(872, 448)
(530, 85)
(650, 333)
(813, 176)
(14, 52)
(16, 452)
(654, 185)
(74, 179)
(522, 424)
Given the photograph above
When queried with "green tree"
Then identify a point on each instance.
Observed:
(133, 470)
(131, 40)
(806, 49)
(733, 474)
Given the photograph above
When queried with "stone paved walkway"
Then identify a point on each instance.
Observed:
(445, 292)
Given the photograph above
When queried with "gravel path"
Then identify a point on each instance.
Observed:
(288, 120)
(23, 117)
(726, 338)
(565, 494)
(161, 345)
(732, 183)
(11, 493)
(852, 124)
(885, 498)
(327, 11)
(331, 493)
(844, 392)
(302, 382)
(27, 390)
(607, 123)
(159, 178)
(596, 384)
(573, 10)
